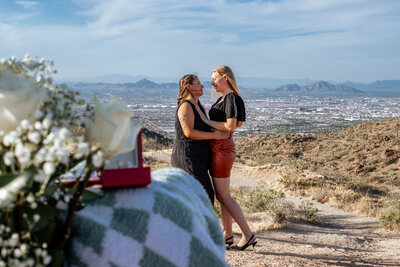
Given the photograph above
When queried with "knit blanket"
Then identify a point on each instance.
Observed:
(171, 222)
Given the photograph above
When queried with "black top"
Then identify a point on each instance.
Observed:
(199, 124)
(232, 106)
(193, 156)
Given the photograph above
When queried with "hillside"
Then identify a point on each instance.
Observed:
(319, 87)
(155, 141)
(358, 167)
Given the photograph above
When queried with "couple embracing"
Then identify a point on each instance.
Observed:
(203, 146)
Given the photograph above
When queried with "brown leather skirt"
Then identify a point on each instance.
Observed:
(223, 154)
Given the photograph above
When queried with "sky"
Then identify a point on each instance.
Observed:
(336, 40)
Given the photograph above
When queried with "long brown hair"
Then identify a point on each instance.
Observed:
(183, 82)
(228, 73)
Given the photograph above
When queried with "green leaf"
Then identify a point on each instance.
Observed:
(47, 234)
(90, 195)
(10, 177)
(57, 257)
(47, 214)
(50, 190)
(7, 178)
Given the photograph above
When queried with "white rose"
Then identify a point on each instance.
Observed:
(20, 98)
(112, 128)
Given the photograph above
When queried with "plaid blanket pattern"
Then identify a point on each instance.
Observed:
(171, 222)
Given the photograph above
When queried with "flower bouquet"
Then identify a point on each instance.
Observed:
(37, 147)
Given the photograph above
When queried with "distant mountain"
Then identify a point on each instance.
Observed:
(147, 84)
(116, 78)
(388, 86)
(325, 87)
(268, 83)
(144, 84)
(319, 87)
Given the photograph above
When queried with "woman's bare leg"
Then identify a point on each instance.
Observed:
(224, 197)
(227, 221)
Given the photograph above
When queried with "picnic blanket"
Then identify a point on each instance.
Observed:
(171, 222)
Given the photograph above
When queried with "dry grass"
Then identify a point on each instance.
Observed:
(391, 217)
(266, 208)
(356, 169)
(154, 163)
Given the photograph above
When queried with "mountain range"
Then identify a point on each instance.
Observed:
(381, 86)
(146, 86)
(318, 87)
(263, 83)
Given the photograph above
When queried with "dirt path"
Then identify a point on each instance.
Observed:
(344, 239)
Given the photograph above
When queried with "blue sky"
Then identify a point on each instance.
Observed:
(338, 40)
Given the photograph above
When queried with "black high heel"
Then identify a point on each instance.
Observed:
(248, 243)
(229, 243)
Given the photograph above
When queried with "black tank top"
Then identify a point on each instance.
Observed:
(199, 124)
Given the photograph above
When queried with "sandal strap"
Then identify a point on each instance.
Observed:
(248, 242)
(228, 238)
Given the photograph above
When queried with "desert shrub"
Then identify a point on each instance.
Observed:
(391, 220)
(375, 161)
(320, 194)
(339, 155)
(391, 160)
(369, 168)
(263, 160)
(295, 179)
(263, 199)
(362, 187)
(308, 211)
(289, 180)
(356, 185)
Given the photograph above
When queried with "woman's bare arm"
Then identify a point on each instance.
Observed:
(186, 119)
(229, 125)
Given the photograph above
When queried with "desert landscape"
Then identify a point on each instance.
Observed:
(318, 199)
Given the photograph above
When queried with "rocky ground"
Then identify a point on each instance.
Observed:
(343, 239)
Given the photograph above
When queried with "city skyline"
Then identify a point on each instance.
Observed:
(284, 39)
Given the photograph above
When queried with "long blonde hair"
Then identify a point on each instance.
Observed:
(228, 73)
(183, 90)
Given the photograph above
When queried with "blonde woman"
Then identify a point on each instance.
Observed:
(191, 151)
(227, 114)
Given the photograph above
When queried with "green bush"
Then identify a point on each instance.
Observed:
(392, 218)
(262, 199)
(308, 211)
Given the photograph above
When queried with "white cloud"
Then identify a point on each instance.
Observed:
(29, 5)
(288, 38)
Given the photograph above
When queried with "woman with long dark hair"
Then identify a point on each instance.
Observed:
(191, 150)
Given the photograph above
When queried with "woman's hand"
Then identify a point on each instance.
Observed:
(229, 125)
(219, 135)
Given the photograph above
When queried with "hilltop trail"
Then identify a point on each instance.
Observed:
(344, 239)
